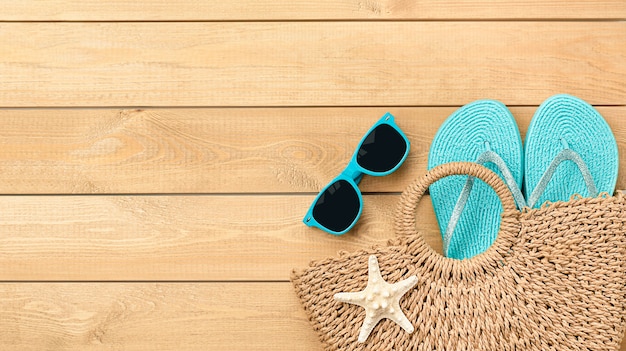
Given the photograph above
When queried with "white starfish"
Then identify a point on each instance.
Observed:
(380, 300)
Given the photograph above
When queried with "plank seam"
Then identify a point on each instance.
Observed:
(40, 108)
(493, 19)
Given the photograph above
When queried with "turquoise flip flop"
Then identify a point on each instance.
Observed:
(566, 128)
(468, 212)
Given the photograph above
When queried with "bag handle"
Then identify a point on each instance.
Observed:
(405, 215)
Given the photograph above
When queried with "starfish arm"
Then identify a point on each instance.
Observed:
(401, 319)
(405, 285)
(368, 325)
(374, 275)
(355, 298)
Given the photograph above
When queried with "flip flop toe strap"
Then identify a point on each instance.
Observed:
(566, 154)
(486, 157)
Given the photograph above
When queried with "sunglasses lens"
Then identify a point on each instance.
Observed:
(337, 207)
(382, 149)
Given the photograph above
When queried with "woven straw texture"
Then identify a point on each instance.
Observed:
(554, 279)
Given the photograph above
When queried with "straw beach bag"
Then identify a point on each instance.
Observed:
(554, 279)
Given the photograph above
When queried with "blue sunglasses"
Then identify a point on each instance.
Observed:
(381, 152)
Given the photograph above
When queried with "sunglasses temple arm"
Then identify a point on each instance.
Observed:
(358, 178)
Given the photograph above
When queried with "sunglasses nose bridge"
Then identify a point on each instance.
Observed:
(353, 173)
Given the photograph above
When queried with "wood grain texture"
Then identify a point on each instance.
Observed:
(310, 63)
(193, 10)
(154, 316)
(213, 150)
(201, 130)
(179, 237)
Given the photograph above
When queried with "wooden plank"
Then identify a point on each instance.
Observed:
(154, 316)
(278, 150)
(191, 10)
(178, 237)
(310, 63)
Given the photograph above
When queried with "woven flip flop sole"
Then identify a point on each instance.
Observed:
(586, 132)
(462, 137)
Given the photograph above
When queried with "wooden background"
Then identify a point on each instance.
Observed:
(156, 159)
